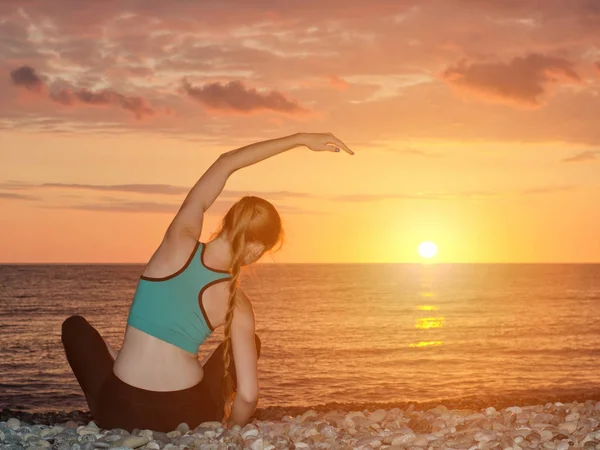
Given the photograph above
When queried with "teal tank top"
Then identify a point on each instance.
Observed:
(171, 309)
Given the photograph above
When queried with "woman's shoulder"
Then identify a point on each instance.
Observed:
(171, 256)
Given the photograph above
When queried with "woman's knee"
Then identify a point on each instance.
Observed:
(73, 325)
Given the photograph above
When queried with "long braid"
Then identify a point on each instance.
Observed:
(238, 241)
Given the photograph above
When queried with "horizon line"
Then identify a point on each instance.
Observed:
(424, 263)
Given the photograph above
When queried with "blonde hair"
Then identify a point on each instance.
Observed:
(249, 220)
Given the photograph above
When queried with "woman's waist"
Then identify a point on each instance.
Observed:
(149, 363)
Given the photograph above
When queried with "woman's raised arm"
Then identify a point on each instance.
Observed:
(188, 220)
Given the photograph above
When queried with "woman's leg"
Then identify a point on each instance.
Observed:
(214, 371)
(88, 357)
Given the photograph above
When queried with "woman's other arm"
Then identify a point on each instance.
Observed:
(188, 220)
(245, 358)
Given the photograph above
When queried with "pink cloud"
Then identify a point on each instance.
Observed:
(234, 97)
(523, 81)
(27, 78)
(136, 105)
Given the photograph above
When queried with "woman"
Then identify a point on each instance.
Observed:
(187, 290)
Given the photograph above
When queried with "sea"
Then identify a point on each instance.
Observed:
(345, 333)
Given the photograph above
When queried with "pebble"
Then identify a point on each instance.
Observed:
(368, 441)
(567, 427)
(378, 416)
(402, 439)
(131, 441)
(210, 424)
(13, 424)
(421, 441)
(147, 433)
(249, 433)
(490, 411)
(257, 444)
(308, 414)
(160, 437)
(546, 435)
(183, 428)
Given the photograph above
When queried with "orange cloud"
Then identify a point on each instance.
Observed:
(339, 83)
(234, 97)
(27, 78)
(13, 196)
(150, 189)
(523, 81)
(125, 206)
(589, 155)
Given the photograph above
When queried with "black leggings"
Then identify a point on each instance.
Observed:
(116, 404)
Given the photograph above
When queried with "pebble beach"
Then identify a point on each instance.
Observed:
(553, 425)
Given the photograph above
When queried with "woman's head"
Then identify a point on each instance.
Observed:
(252, 226)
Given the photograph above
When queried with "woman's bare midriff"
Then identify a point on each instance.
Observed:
(149, 363)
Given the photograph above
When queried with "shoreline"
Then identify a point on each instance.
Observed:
(526, 398)
(556, 422)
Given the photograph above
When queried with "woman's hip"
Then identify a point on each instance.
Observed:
(122, 405)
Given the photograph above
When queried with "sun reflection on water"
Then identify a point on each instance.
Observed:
(426, 294)
(426, 344)
(425, 323)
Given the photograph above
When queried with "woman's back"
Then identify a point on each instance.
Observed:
(178, 303)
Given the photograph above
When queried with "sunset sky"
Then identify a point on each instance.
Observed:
(476, 125)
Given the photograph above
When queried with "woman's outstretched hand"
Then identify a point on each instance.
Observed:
(324, 142)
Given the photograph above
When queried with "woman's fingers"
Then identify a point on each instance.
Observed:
(329, 143)
(339, 144)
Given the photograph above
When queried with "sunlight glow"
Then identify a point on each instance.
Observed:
(427, 249)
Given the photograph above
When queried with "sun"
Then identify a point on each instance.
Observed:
(427, 249)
